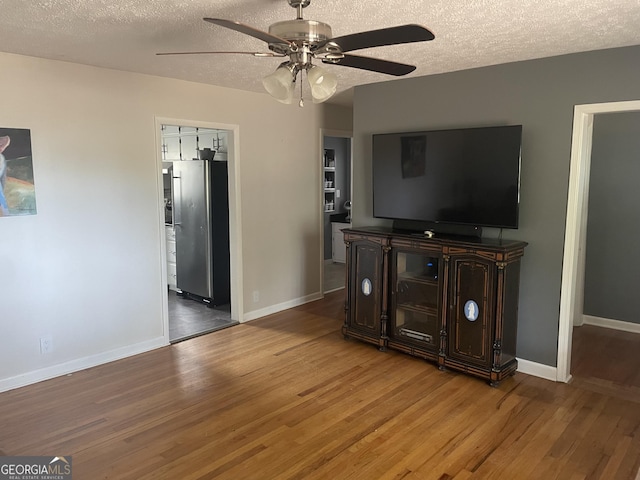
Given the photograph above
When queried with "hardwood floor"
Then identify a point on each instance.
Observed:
(606, 360)
(606, 354)
(286, 397)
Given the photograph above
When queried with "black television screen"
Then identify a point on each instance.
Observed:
(467, 176)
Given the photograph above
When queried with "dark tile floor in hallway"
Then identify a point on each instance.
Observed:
(190, 318)
(334, 278)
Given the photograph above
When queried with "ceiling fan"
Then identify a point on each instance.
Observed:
(304, 40)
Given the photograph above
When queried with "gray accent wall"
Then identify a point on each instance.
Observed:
(539, 94)
(612, 268)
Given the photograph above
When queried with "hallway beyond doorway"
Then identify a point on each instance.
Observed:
(606, 356)
(334, 276)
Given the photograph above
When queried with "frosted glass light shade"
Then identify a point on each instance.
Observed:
(280, 84)
(322, 82)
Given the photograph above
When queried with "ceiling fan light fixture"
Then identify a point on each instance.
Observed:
(304, 40)
(281, 83)
(322, 82)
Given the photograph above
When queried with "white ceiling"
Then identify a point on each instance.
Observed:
(126, 34)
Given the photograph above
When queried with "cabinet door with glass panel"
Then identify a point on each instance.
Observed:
(414, 320)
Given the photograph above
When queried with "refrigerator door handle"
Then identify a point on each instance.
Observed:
(177, 206)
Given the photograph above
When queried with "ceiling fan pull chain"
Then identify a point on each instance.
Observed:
(301, 104)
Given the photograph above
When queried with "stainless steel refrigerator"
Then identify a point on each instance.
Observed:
(201, 221)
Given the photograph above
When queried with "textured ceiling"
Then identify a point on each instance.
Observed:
(126, 34)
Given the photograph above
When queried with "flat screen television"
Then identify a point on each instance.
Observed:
(468, 176)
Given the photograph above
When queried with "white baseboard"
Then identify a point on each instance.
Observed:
(263, 312)
(538, 370)
(333, 290)
(79, 364)
(613, 324)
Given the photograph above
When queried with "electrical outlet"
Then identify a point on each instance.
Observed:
(46, 344)
(256, 296)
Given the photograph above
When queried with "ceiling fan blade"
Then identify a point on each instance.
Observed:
(385, 36)
(255, 54)
(247, 30)
(373, 65)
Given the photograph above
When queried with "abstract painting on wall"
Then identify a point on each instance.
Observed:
(17, 188)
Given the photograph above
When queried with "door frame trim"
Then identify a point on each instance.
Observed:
(325, 132)
(235, 217)
(572, 287)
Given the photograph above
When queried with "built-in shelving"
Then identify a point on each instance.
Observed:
(329, 180)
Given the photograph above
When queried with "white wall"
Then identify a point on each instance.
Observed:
(87, 268)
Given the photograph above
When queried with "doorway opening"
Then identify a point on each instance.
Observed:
(199, 175)
(573, 268)
(336, 206)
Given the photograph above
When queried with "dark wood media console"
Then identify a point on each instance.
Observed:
(450, 300)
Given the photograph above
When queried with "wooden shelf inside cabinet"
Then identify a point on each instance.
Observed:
(417, 308)
(415, 277)
(414, 317)
(413, 327)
